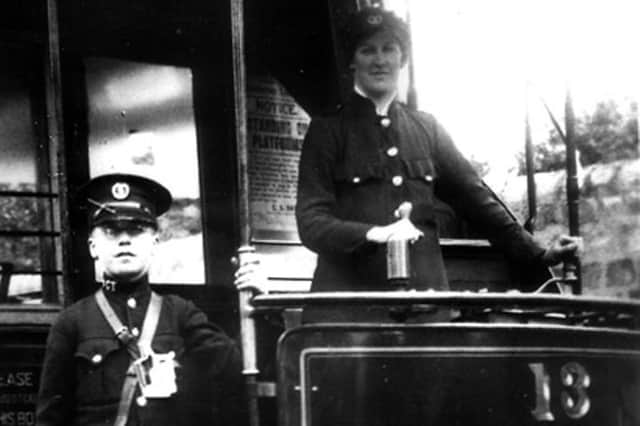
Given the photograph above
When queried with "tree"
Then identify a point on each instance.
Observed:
(480, 166)
(604, 136)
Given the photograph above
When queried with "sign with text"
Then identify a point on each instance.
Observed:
(276, 128)
(18, 393)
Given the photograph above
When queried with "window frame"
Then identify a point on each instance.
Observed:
(51, 169)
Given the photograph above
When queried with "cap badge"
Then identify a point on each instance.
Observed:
(120, 190)
(374, 19)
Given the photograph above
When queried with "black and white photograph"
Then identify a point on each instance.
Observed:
(319, 213)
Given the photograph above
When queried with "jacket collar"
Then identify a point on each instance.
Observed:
(384, 109)
(362, 106)
(134, 288)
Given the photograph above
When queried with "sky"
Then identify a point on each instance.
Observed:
(474, 60)
(141, 121)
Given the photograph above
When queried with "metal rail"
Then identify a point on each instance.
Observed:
(34, 233)
(17, 271)
(28, 194)
(467, 307)
(440, 297)
(524, 301)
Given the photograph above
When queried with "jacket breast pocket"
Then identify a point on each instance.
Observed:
(421, 185)
(357, 190)
(101, 364)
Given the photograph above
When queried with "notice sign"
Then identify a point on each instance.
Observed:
(18, 393)
(276, 128)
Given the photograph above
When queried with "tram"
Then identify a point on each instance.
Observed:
(212, 98)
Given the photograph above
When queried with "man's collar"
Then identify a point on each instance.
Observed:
(113, 286)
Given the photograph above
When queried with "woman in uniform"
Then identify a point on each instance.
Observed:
(361, 163)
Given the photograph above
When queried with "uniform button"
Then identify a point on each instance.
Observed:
(393, 151)
(96, 359)
(428, 178)
(135, 331)
(385, 122)
(132, 303)
(356, 179)
(397, 180)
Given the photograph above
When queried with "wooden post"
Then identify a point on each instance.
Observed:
(57, 163)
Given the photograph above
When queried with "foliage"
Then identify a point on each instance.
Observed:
(20, 213)
(603, 136)
(182, 220)
(480, 166)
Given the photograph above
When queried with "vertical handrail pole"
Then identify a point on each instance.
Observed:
(248, 340)
(572, 266)
(247, 325)
(240, 110)
(530, 224)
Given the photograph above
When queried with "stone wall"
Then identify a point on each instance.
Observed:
(609, 222)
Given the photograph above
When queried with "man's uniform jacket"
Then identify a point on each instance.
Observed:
(85, 365)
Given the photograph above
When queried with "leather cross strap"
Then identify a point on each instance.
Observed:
(136, 349)
(149, 324)
(126, 397)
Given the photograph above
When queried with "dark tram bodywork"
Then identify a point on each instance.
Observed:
(501, 359)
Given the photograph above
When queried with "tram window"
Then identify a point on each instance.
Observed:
(28, 269)
(141, 121)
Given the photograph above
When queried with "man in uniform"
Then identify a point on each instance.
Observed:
(125, 355)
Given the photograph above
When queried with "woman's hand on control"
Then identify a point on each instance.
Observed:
(402, 229)
(562, 249)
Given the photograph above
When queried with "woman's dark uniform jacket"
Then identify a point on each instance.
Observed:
(357, 167)
(85, 366)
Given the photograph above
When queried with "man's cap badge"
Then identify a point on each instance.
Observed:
(120, 190)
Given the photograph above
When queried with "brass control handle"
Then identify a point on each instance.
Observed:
(404, 210)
